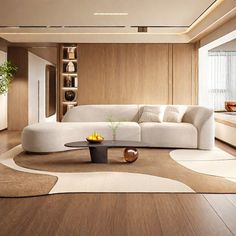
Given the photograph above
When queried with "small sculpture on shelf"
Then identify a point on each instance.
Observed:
(70, 67)
(71, 53)
(68, 81)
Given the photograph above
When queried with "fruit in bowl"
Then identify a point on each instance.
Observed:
(95, 138)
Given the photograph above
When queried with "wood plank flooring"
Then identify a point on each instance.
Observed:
(116, 214)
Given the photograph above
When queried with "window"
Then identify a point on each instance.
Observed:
(221, 82)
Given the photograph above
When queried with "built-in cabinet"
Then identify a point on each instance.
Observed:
(68, 74)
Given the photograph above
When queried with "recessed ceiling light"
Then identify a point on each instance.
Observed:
(110, 14)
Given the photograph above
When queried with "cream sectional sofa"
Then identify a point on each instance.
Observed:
(196, 130)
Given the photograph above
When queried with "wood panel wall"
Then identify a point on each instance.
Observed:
(137, 73)
(183, 74)
(18, 93)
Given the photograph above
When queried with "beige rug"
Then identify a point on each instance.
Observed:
(18, 184)
(154, 171)
(214, 162)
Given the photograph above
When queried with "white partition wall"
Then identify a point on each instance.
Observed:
(36, 90)
(3, 99)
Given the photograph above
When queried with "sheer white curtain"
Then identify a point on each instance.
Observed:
(221, 79)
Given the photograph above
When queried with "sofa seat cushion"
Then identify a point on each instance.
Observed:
(51, 137)
(167, 134)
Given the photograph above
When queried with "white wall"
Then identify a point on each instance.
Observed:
(36, 90)
(3, 99)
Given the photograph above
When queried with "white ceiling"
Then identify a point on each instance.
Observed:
(172, 20)
(80, 12)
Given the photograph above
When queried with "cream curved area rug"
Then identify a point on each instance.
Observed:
(215, 162)
(91, 181)
(156, 170)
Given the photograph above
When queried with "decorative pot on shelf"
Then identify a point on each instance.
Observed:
(230, 106)
(70, 95)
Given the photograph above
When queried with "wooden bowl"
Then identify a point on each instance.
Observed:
(230, 106)
(94, 141)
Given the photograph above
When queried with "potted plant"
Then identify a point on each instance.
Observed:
(114, 125)
(7, 71)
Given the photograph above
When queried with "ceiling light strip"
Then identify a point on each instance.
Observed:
(67, 26)
(73, 33)
(110, 14)
(204, 15)
(95, 26)
(159, 26)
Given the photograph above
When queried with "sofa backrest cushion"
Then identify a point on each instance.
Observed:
(168, 108)
(101, 113)
(174, 113)
(151, 113)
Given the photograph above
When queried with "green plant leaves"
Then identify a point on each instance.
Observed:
(7, 71)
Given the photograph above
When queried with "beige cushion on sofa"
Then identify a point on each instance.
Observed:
(174, 114)
(152, 114)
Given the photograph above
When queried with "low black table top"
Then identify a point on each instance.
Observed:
(108, 143)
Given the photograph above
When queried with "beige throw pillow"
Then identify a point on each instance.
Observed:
(152, 114)
(174, 114)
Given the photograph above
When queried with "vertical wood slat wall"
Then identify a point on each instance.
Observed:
(137, 73)
(18, 92)
(184, 74)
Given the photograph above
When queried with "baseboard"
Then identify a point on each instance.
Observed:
(3, 129)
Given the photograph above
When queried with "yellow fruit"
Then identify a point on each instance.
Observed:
(95, 136)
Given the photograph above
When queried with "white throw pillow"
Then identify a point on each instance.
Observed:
(152, 114)
(174, 114)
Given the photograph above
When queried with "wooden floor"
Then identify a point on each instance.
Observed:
(117, 214)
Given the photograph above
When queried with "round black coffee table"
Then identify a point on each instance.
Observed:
(98, 151)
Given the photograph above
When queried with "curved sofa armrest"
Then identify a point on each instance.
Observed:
(203, 119)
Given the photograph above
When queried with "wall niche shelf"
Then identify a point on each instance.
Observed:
(68, 103)
(71, 74)
(68, 86)
(67, 60)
